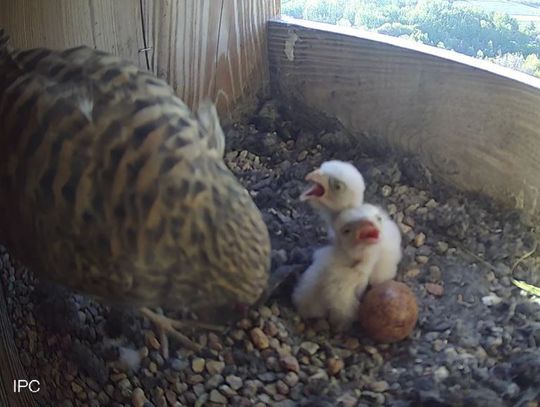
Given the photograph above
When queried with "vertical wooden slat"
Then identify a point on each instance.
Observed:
(211, 48)
(113, 26)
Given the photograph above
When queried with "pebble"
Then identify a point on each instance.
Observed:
(419, 239)
(259, 338)
(386, 190)
(491, 300)
(291, 379)
(290, 363)
(197, 365)
(310, 347)
(235, 382)
(412, 273)
(178, 364)
(215, 367)
(217, 397)
(441, 373)
(334, 365)
(282, 387)
(379, 386)
(435, 273)
(138, 398)
(435, 289)
(442, 247)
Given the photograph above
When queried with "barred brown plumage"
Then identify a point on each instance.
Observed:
(111, 186)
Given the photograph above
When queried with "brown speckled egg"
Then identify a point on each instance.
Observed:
(388, 312)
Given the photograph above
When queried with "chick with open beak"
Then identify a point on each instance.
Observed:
(335, 186)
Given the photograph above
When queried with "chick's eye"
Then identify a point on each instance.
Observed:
(346, 231)
(336, 185)
(379, 218)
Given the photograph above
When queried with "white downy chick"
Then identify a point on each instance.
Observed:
(334, 283)
(337, 185)
(389, 244)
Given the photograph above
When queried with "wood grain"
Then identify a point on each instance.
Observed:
(474, 124)
(113, 26)
(10, 366)
(211, 49)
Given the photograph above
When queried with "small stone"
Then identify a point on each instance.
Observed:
(334, 365)
(234, 381)
(178, 364)
(434, 289)
(171, 397)
(419, 239)
(285, 403)
(76, 388)
(282, 388)
(379, 386)
(195, 379)
(438, 345)
(227, 391)
(435, 273)
(215, 367)
(302, 156)
(244, 324)
(442, 247)
(124, 384)
(310, 347)
(265, 312)
(197, 365)
(422, 259)
(491, 300)
(412, 273)
(386, 191)
(348, 400)
(290, 363)
(259, 338)
(351, 343)
(217, 397)
(291, 379)
(214, 381)
(441, 374)
(270, 328)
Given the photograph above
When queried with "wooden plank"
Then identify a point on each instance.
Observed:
(11, 368)
(212, 49)
(474, 124)
(113, 26)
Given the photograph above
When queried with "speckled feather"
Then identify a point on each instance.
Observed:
(111, 186)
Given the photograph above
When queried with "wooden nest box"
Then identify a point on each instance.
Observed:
(471, 123)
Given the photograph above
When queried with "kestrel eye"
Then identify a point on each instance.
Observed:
(346, 231)
(336, 185)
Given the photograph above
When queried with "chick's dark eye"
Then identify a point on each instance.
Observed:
(336, 185)
(346, 231)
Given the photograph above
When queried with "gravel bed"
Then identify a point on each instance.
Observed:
(476, 342)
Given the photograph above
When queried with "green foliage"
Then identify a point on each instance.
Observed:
(439, 23)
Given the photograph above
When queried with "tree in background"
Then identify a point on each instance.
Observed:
(439, 23)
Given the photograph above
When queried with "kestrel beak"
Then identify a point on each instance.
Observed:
(318, 188)
(367, 232)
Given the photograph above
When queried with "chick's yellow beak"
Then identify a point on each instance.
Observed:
(318, 188)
